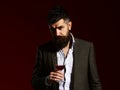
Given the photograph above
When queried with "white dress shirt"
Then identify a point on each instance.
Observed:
(68, 62)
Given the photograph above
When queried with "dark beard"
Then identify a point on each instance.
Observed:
(61, 41)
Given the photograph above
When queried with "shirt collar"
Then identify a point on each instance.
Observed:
(73, 41)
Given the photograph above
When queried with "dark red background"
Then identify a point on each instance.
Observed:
(23, 26)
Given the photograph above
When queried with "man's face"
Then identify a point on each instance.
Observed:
(60, 33)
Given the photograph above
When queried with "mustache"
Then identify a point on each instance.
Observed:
(59, 37)
(61, 41)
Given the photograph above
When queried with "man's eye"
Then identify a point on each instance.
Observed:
(52, 29)
(60, 28)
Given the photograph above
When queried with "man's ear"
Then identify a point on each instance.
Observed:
(69, 25)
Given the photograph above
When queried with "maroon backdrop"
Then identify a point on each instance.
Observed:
(23, 26)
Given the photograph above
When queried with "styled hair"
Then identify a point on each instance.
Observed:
(57, 13)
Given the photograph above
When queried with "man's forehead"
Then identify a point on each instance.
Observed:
(61, 22)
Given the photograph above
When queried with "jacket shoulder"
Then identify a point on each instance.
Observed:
(46, 46)
(82, 42)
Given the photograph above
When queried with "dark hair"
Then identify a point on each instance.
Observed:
(57, 13)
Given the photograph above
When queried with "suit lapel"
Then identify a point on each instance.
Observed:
(54, 63)
(54, 60)
(76, 64)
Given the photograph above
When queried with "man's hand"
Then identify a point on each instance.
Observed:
(56, 76)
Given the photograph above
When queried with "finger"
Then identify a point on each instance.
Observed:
(57, 80)
(55, 76)
(60, 74)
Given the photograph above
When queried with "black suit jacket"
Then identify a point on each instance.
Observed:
(84, 73)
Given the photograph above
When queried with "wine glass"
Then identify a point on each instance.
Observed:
(60, 67)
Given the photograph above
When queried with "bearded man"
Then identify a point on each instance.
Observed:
(64, 63)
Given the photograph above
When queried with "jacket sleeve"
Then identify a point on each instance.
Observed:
(38, 76)
(94, 81)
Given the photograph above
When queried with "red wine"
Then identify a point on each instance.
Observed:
(60, 67)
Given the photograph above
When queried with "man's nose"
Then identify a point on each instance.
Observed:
(58, 32)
